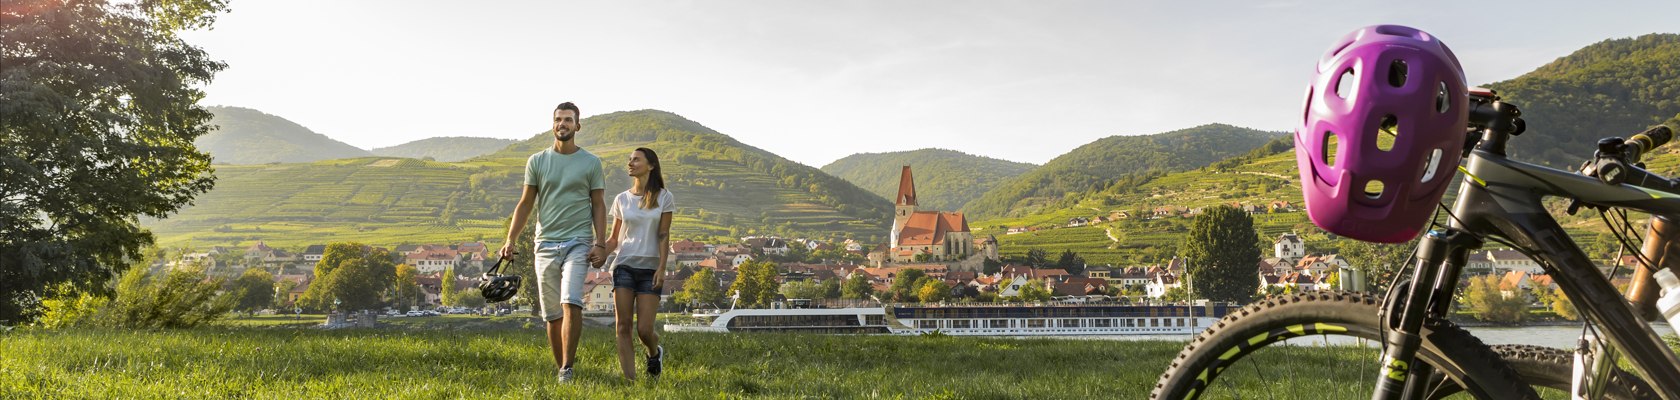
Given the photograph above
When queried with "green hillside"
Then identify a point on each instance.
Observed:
(1612, 88)
(1100, 163)
(246, 136)
(723, 188)
(945, 179)
(446, 149)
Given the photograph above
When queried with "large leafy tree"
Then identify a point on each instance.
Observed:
(857, 287)
(755, 282)
(903, 287)
(98, 113)
(701, 289)
(255, 289)
(1221, 254)
(351, 273)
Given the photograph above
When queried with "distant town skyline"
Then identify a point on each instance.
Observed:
(817, 81)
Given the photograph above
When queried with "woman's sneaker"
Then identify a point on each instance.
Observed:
(656, 363)
(565, 375)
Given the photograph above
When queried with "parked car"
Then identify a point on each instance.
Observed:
(416, 313)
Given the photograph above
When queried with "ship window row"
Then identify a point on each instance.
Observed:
(1056, 323)
(1050, 312)
(793, 320)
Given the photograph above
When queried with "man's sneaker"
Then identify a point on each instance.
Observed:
(656, 363)
(565, 375)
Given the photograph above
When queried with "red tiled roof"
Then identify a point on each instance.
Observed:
(928, 228)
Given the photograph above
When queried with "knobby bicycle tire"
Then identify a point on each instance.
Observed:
(1553, 368)
(1455, 354)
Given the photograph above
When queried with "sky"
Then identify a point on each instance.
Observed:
(815, 81)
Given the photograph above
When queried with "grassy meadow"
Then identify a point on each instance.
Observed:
(459, 356)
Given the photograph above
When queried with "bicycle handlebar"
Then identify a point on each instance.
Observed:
(1646, 141)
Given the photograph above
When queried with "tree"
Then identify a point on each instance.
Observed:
(1037, 258)
(701, 288)
(805, 289)
(755, 282)
(1179, 293)
(903, 287)
(468, 299)
(407, 293)
(1379, 261)
(1034, 290)
(1071, 262)
(857, 287)
(446, 293)
(1561, 305)
(353, 274)
(1486, 300)
(829, 289)
(98, 113)
(1220, 252)
(990, 266)
(255, 290)
(934, 290)
(177, 298)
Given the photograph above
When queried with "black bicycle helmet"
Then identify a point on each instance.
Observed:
(496, 287)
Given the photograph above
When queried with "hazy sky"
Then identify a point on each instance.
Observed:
(815, 81)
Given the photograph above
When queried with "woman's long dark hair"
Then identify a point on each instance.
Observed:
(655, 182)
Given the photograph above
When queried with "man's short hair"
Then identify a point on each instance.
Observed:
(569, 106)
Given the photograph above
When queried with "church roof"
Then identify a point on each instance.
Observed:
(906, 189)
(927, 228)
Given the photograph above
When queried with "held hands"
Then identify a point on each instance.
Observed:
(597, 256)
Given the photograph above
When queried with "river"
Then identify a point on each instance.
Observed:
(1559, 336)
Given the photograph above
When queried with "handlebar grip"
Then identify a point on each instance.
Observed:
(1648, 140)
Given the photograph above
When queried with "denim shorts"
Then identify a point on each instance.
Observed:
(638, 280)
(561, 269)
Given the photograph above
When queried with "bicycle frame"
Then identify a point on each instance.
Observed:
(1502, 197)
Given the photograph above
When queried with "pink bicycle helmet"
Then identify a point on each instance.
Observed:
(1381, 134)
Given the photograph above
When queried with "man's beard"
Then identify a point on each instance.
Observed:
(567, 137)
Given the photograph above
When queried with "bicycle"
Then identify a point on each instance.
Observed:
(1422, 355)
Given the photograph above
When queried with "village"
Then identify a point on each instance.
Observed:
(938, 245)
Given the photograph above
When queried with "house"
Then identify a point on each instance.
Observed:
(1012, 288)
(768, 245)
(1289, 246)
(1078, 222)
(597, 291)
(1512, 260)
(1098, 272)
(741, 259)
(1051, 274)
(1131, 276)
(313, 253)
(1478, 264)
(1321, 264)
(717, 263)
(1514, 283)
(941, 236)
(686, 246)
(431, 259)
(1161, 284)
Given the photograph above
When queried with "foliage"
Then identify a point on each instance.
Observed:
(1485, 300)
(468, 299)
(1034, 290)
(1220, 255)
(857, 287)
(406, 292)
(1380, 261)
(903, 288)
(70, 308)
(98, 111)
(1096, 164)
(353, 274)
(933, 291)
(254, 290)
(945, 179)
(446, 293)
(446, 149)
(755, 282)
(700, 289)
(1560, 305)
(176, 298)
(802, 289)
(1071, 262)
(1610, 87)
(1037, 258)
(1180, 293)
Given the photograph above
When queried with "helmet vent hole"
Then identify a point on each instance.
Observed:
(1344, 84)
(1442, 103)
(1328, 153)
(1432, 162)
(1373, 189)
(1387, 131)
(1397, 73)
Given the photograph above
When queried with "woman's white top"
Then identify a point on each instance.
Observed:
(638, 241)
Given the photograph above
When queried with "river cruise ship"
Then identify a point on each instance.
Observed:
(1070, 319)
(968, 319)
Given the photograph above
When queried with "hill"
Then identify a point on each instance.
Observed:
(1106, 161)
(945, 179)
(723, 188)
(1611, 88)
(446, 149)
(246, 136)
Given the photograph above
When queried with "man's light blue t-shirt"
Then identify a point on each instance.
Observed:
(563, 183)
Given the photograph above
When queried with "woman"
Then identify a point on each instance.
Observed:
(641, 238)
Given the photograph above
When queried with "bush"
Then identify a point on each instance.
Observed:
(180, 298)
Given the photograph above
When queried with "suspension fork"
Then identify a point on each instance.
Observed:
(1440, 255)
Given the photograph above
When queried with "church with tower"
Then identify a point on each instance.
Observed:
(941, 236)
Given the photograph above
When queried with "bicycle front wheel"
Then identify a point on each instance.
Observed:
(1324, 345)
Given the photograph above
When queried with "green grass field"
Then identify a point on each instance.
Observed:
(462, 356)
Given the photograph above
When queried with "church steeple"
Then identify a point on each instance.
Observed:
(904, 204)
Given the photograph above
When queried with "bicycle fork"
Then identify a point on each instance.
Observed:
(1440, 255)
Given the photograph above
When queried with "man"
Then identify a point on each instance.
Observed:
(565, 183)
